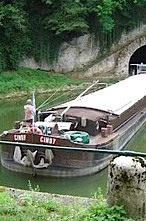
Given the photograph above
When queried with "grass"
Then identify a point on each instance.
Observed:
(26, 79)
(28, 206)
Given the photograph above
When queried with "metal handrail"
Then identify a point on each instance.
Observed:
(91, 150)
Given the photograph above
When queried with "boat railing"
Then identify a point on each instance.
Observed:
(89, 150)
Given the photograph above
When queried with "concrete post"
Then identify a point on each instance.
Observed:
(127, 185)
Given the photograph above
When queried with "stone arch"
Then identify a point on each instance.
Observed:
(124, 56)
(137, 58)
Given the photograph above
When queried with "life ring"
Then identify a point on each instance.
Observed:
(35, 130)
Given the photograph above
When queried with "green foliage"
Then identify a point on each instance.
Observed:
(107, 19)
(36, 189)
(102, 212)
(105, 12)
(30, 206)
(29, 198)
(14, 39)
(25, 79)
(132, 14)
(67, 16)
(36, 28)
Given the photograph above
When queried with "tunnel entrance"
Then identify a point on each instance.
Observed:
(137, 63)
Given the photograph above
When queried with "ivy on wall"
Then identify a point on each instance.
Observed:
(36, 28)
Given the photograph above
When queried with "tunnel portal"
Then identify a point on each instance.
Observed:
(137, 63)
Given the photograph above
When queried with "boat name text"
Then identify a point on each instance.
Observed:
(48, 140)
(20, 137)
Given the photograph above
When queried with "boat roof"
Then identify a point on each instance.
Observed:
(116, 98)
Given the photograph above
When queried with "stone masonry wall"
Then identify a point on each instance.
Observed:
(77, 55)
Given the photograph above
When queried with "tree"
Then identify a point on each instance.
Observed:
(14, 38)
(38, 27)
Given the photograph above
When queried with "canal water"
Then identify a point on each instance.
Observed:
(12, 110)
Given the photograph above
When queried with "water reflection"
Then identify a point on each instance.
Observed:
(11, 111)
(77, 186)
(138, 143)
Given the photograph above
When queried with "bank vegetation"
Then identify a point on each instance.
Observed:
(23, 81)
(32, 205)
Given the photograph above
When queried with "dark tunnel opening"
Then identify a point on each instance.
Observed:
(137, 63)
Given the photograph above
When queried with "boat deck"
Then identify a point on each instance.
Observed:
(101, 140)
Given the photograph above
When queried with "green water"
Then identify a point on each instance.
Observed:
(138, 143)
(11, 111)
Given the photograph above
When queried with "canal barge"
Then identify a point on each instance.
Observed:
(105, 119)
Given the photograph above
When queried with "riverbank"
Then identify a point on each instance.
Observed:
(25, 80)
(30, 205)
(63, 199)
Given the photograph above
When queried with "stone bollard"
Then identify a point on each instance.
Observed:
(127, 185)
